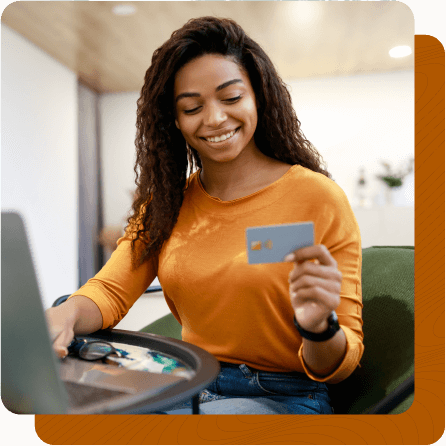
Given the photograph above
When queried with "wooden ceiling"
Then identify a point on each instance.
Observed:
(304, 39)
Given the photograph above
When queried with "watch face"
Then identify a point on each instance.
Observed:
(332, 318)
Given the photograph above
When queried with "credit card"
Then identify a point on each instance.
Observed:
(270, 244)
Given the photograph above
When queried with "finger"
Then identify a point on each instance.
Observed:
(62, 342)
(316, 297)
(61, 352)
(318, 252)
(308, 281)
(313, 269)
(53, 333)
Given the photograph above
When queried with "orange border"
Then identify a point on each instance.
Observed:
(423, 423)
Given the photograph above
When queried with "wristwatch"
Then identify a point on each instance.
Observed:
(333, 328)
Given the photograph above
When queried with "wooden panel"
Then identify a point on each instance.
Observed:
(304, 39)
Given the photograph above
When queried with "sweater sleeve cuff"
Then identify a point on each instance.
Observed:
(354, 351)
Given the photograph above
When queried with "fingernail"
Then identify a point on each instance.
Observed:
(289, 258)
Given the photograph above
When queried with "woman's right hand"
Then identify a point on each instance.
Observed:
(61, 328)
(78, 315)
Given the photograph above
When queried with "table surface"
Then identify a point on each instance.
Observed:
(168, 389)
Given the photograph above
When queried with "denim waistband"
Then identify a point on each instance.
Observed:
(242, 380)
(230, 364)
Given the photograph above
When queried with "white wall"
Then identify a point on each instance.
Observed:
(357, 121)
(117, 147)
(39, 158)
(117, 113)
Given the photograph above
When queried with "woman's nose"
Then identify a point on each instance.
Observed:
(214, 116)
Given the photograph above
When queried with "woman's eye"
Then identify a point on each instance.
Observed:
(191, 111)
(233, 99)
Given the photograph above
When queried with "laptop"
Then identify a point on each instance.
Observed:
(34, 380)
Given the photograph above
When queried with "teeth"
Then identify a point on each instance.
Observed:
(221, 138)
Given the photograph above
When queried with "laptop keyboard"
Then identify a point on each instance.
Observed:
(83, 394)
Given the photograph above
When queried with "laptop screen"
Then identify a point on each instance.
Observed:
(30, 380)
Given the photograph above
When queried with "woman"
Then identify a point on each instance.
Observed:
(212, 97)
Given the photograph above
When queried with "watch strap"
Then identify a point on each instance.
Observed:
(333, 328)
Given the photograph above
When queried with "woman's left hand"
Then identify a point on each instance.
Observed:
(314, 286)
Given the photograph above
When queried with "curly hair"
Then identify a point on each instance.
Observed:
(162, 156)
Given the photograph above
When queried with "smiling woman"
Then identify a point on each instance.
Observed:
(212, 99)
(203, 58)
(216, 110)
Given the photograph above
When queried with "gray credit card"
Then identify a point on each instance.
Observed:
(270, 244)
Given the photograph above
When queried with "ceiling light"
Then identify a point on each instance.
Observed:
(303, 13)
(124, 9)
(400, 51)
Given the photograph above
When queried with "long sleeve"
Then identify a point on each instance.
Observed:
(115, 288)
(337, 229)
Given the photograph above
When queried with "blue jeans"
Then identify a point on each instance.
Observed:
(239, 389)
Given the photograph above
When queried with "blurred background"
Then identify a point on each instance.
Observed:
(71, 76)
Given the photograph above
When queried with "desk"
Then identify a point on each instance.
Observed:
(205, 366)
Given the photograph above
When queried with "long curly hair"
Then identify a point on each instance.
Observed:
(162, 156)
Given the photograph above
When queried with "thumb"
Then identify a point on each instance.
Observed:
(62, 341)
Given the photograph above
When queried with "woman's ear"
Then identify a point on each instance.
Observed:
(176, 123)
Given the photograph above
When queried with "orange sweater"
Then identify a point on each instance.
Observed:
(242, 313)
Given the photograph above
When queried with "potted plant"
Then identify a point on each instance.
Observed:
(394, 179)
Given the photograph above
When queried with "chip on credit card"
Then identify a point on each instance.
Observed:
(270, 244)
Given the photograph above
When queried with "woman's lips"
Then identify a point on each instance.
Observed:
(221, 138)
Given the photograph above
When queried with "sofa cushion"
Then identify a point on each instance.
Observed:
(388, 315)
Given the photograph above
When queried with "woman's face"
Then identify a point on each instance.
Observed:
(215, 108)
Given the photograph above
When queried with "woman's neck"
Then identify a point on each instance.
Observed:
(241, 177)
